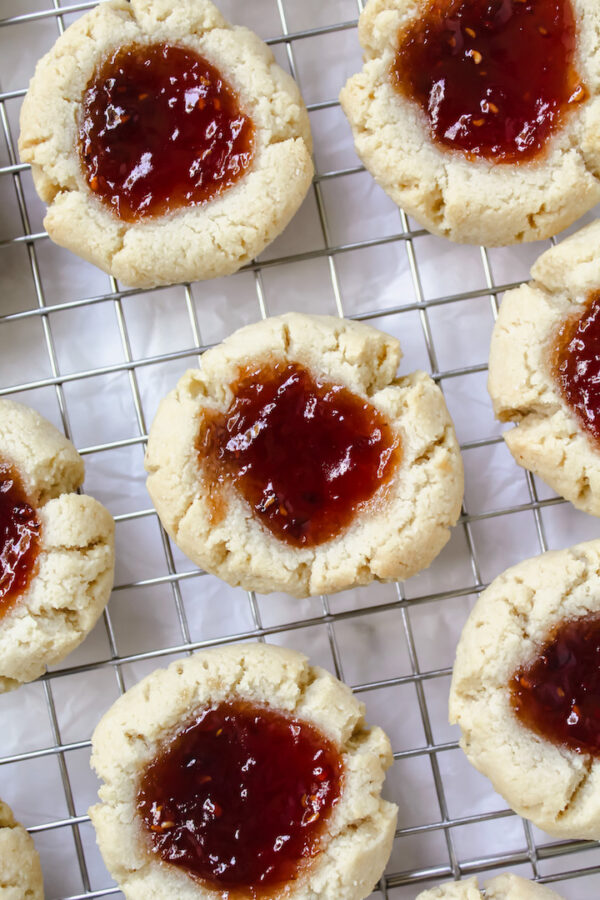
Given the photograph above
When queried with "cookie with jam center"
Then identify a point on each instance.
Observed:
(525, 689)
(56, 547)
(20, 869)
(167, 143)
(503, 887)
(481, 119)
(295, 460)
(242, 771)
(544, 367)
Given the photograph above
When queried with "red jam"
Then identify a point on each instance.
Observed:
(240, 796)
(19, 538)
(304, 453)
(577, 365)
(161, 129)
(558, 695)
(494, 77)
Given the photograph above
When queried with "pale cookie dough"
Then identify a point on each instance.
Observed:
(503, 887)
(474, 202)
(394, 536)
(20, 869)
(555, 787)
(548, 438)
(361, 827)
(75, 565)
(205, 241)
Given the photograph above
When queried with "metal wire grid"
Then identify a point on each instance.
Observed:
(561, 861)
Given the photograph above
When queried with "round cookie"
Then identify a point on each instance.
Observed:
(549, 438)
(545, 781)
(20, 869)
(503, 887)
(360, 829)
(393, 535)
(72, 575)
(471, 200)
(208, 240)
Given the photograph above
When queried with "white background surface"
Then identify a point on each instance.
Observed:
(347, 251)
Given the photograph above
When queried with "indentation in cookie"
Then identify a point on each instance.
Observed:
(557, 695)
(495, 80)
(20, 530)
(240, 797)
(576, 364)
(161, 129)
(303, 452)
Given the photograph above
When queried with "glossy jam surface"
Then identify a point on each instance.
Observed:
(240, 796)
(161, 129)
(558, 695)
(19, 538)
(303, 453)
(577, 365)
(494, 77)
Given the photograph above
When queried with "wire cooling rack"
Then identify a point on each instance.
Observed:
(96, 359)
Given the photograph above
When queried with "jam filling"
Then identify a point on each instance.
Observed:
(494, 77)
(558, 695)
(161, 129)
(19, 538)
(239, 798)
(304, 453)
(577, 365)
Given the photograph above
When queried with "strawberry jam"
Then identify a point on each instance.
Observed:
(19, 538)
(304, 453)
(494, 77)
(577, 365)
(240, 796)
(558, 695)
(161, 129)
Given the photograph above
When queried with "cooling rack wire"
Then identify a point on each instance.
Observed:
(96, 359)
